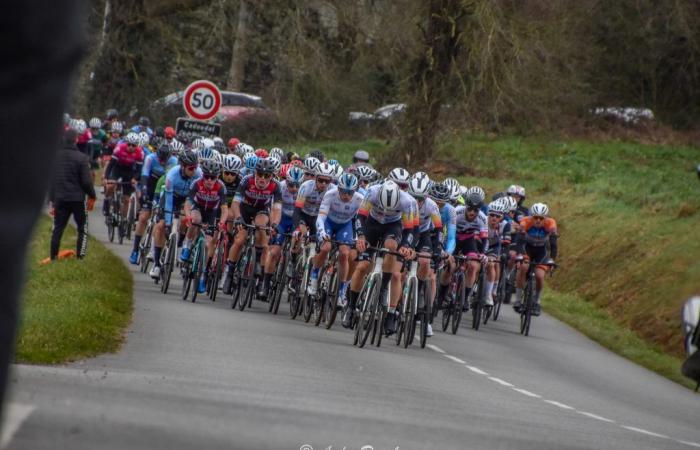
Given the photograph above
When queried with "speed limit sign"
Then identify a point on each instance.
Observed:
(202, 100)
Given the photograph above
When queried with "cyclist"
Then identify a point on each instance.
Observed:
(386, 219)
(310, 165)
(154, 167)
(177, 186)
(318, 154)
(289, 189)
(125, 163)
(499, 240)
(232, 144)
(429, 229)
(206, 199)
(536, 231)
(231, 175)
(440, 193)
(364, 174)
(144, 124)
(518, 194)
(335, 220)
(359, 159)
(306, 208)
(258, 202)
(478, 192)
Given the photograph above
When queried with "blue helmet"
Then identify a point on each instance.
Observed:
(295, 175)
(348, 182)
(333, 162)
(250, 161)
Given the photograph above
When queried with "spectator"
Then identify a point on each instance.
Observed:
(72, 181)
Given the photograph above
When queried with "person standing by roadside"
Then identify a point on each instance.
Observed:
(72, 181)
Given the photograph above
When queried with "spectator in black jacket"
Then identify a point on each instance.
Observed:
(72, 181)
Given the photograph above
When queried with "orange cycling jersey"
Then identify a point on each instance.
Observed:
(537, 235)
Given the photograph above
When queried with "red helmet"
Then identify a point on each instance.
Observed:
(298, 163)
(261, 153)
(284, 169)
(233, 142)
(169, 132)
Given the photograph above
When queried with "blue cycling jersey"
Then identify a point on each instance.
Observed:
(449, 224)
(152, 166)
(177, 185)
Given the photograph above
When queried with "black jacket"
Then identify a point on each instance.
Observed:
(71, 180)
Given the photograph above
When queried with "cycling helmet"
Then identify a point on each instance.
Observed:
(250, 161)
(164, 152)
(440, 192)
(419, 186)
(218, 156)
(169, 133)
(333, 162)
(539, 209)
(364, 173)
(80, 126)
(476, 190)
(239, 149)
(177, 147)
(112, 114)
(232, 163)
(511, 203)
(116, 127)
(389, 195)
(318, 154)
(399, 176)
(360, 156)
(295, 175)
(454, 192)
(210, 167)
(451, 183)
(521, 191)
(219, 145)
(348, 182)
(512, 189)
(95, 123)
(233, 143)
(144, 139)
(261, 153)
(472, 201)
(277, 153)
(144, 121)
(310, 164)
(325, 170)
(187, 158)
(197, 144)
(498, 195)
(132, 138)
(338, 171)
(497, 206)
(247, 148)
(208, 143)
(265, 165)
(463, 190)
(277, 163)
(206, 153)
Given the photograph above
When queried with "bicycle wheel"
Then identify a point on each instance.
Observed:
(459, 305)
(217, 269)
(144, 249)
(198, 263)
(526, 309)
(130, 216)
(109, 221)
(246, 284)
(307, 300)
(187, 275)
(411, 306)
(500, 294)
(366, 322)
(281, 281)
(427, 313)
(295, 296)
(478, 308)
(167, 269)
(332, 300)
(446, 313)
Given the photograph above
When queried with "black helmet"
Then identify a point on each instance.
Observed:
(188, 158)
(498, 195)
(144, 121)
(164, 152)
(440, 192)
(318, 154)
(112, 114)
(265, 165)
(472, 200)
(160, 132)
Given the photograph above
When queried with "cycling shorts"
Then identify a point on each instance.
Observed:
(178, 203)
(376, 233)
(249, 213)
(310, 222)
(425, 242)
(341, 232)
(286, 225)
(536, 254)
(466, 246)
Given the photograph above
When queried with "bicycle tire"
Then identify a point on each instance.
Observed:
(198, 266)
(279, 290)
(186, 271)
(295, 299)
(500, 294)
(367, 318)
(478, 308)
(144, 249)
(307, 300)
(167, 268)
(525, 309)
(332, 300)
(400, 321)
(217, 270)
(359, 309)
(426, 314)
(459, 305)
(130, 217)
(109, 221)
(411, 307)
(246, 282)
(446, 313)
(379, 323)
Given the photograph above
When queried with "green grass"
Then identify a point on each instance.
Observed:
(627, 215)
(72, 309)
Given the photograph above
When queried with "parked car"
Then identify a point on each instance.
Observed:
(379, 117)
(235, 107)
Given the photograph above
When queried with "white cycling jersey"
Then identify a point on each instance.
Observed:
(429, 216)
(309, 198)
(404, 211)
(288, 200)
(468, 229)
(336, 210)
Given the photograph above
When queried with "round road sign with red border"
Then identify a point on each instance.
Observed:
(202, 100)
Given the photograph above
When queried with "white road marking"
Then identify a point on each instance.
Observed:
(501, 382)
(692, 444)
(16, 413)
(528, 393)
(476, 370)
(643, 431)
(560, 405)
(436, 348)
(595, 416)
(457, 360)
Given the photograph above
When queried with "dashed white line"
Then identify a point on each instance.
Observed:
(692, 444)
(501, 382)
(476, 370)
(457, 360)
(560, 405)
(528, 393)
(436, 348)
(595, 416)
(647, 432)
(16, 414)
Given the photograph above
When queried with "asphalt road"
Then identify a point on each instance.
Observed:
(204, 376)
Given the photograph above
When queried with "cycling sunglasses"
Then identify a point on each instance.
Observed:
(473, 208)
(210, 177)
(419, 199)
(131, 145)
(264, 175)
(293, 185)
(538, 217)
(190, 167)
(346, 191)
(231, 174)
(323, 180)
(495, 215)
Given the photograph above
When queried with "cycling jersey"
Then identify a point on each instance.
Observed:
(207, 199)
(124, 164)
(258, 199)
(177, 187)
(336, 210)
(471, 231)
(309, 198)
(429, 216)
(449, 221)
(537, 236)
(498, 237)
(231, 189)
(153, 168)
(404, 212)
(288, 200)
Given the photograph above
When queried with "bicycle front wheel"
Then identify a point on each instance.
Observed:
(366, 322)
(332, 300)
(198, 266)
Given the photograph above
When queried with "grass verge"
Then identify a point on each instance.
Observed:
(72, 309)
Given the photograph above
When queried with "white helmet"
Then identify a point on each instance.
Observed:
(144, 139)
(515, 189)
(389, 195)
(310, 164)
(454, 191)
(232, 163)
(419, 185)
(463, 190)
(95, 123)
(197, 144)
(277, 164)
(176, 147)
(451, 183)
(217, 155)
(497, 206)
(539, 209)
(338, 171)
(208, 143)
(116, 127)
(399, 176)
(132, 138)
(364, 173)
(325, 170)
(80, 126)
(277, 153)
(477, 191)
(512, 205)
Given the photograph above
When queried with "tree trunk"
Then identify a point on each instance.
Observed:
(427, 87)
(236, 73)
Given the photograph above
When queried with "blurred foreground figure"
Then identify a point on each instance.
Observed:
(41, 44)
